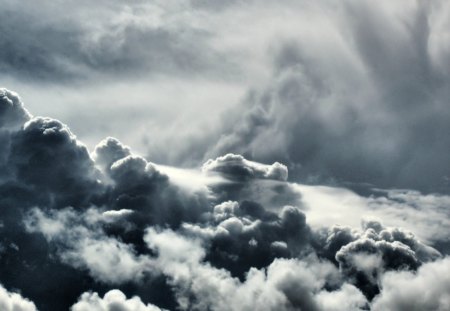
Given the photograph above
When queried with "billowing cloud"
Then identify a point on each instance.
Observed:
(84, 246)
(237, 167)
(285, 285)
(12, 116)
(14, 302)
(113, 300)
(428, 289)
(12, 112)
(106, 225)
(357, 95)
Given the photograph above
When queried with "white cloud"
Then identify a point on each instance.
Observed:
(14, 302)
(425, 215)
(113, 300)
(426, 289)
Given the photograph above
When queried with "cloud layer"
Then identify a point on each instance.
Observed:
(110, 230)
(354, 91)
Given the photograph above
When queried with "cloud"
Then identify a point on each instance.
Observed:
(69, 170)
(237, 167)
(427, 289)
(12, 116)
(14, 302)
(109, 151)
(285, 285)
(113, 300)
(425, 215)
(366, 104)
(242, 236)
(133, 39)
(85, 245)
(231, 234)
(12, 112)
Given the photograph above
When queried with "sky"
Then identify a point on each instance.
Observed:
(224, 155)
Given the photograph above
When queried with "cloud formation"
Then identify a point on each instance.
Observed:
(14, 301)
(367, 104)
(113, 300)
(230, 234)
(425, 290)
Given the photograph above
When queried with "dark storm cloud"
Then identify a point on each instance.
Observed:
(12, 112)
(103, 228)
(241, 236)
(368, 105)
(365, 255)
(284, 285)
(46, 147)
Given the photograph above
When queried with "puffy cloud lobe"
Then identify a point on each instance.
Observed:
(47, 156)
(140, 186)
(113, 300)
(85, 246)
(12, 112)
(246, 251)
(364, 255)
(238, 168)
(245, 235)
(285, 285)
(12, 117)
(109, 151)
(241, 236)
(426, 289)
(14, 302)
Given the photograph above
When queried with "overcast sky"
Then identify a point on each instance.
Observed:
(260, 137)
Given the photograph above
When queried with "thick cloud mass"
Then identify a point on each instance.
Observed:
(355, 91)
(113, 300)
(237, 167)
(428, 289)
(14, 302)
(360, 99)
(359, 94)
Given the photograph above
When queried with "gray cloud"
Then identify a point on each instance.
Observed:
(405, 290)
(237, 167)
(233, 234)
(367, 105)
(103, 39)
(285, 285)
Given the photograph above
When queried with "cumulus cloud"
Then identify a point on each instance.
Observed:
(12, 116)
(113, 300)
(427, 289)
(237, 167)
(86, 247)
(109, 151)
(12, 112)
(425, 215)
(14, 302)
(231, 234)
(241, 236)
(70, 173)
(285, 285)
